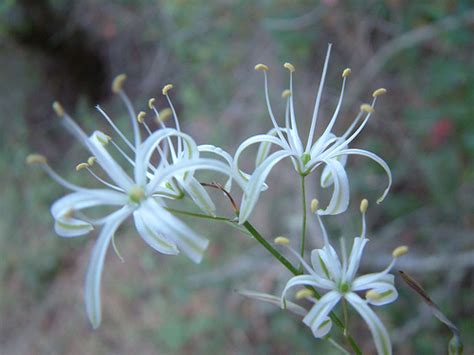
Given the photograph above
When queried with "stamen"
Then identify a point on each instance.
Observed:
(166, 88)
(366, 108)
(314, 205)
(109, 120)
(117, 83)
(81, 166)
(260, 67)
(346, 72)
(399, 251)
(141, 117)
(323, 230)
(289, 66)
(379, 92)
(58, 108)
(102, 180)
(36, 159)
(286, 94)
(364, 204)
(162, 124)
(304, 293)
(164, 115)
(282, 241)
(151, 103)
(91, 161)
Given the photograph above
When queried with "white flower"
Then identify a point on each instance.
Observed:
(328, 149)
(141, 194)
(328, 273)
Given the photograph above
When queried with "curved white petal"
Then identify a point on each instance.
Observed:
(386, 290)
(256, 182)
(68, 226)
(363, 282)
(355, 257)
(326, 176)
(96, 264)
(105, 160)
(200, 196)
(317, 318)
(152, 236)
(209, 148)
(188, 241)
(379, 333)
(340, 196)
(375, 158)
(147, 148)
(306, 280)
(329, 259)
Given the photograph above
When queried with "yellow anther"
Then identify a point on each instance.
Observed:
(399, 251)
(314, 205)
(36, 159)
(379, 92)
(259, 67)
(372, 295)
(366, 108)
(151, 103)
(91, 160)
(282, 241)
(346, 72)
(118, 82)
(58, 108)
(141, 117)
(364, 204)
(286, 94)
(81, 166)
(104, 139)
(289, 66)
(167, 88)
(164, 114)
(304, 293)
(69, 213)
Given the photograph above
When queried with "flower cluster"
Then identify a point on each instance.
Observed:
(139, 178)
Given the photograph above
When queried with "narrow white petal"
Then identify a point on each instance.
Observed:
(340, 196)
(355, 257)
(363, 282)
(188, 241)
(96, 264)
(108, 164)
(375, 158)
(71, 227)
(292, 307)
(200, 196)
(387, 291)
(208, 148)
(307, 280)
(379, 333)
(317, 318)
(153, 237)
(256, 182)
(330, 259)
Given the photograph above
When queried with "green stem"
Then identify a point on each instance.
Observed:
(303, 227)
(295, 271)
(198, 215)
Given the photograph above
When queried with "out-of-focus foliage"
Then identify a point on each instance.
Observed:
(423, 127)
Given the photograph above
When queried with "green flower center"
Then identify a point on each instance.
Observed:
(136, 194)
(344, 287)
(305, 158)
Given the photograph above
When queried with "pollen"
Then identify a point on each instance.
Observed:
(81, 166)
(346, 72)
(167, 88)
(164, 115)
(314, 205)
(289, 66)
(304, 293)
(379, 92)
(282, 241)
(364, 204)
(118, 82)
(260, 67)
(104, 139)
(366, 108)
(91, 160)
(286, 94)
(141, 117)
(151, 103)
(399, 251)
(372, 295)
(35, 159)
(58, 108)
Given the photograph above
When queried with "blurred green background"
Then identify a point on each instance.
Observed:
(421, 51)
